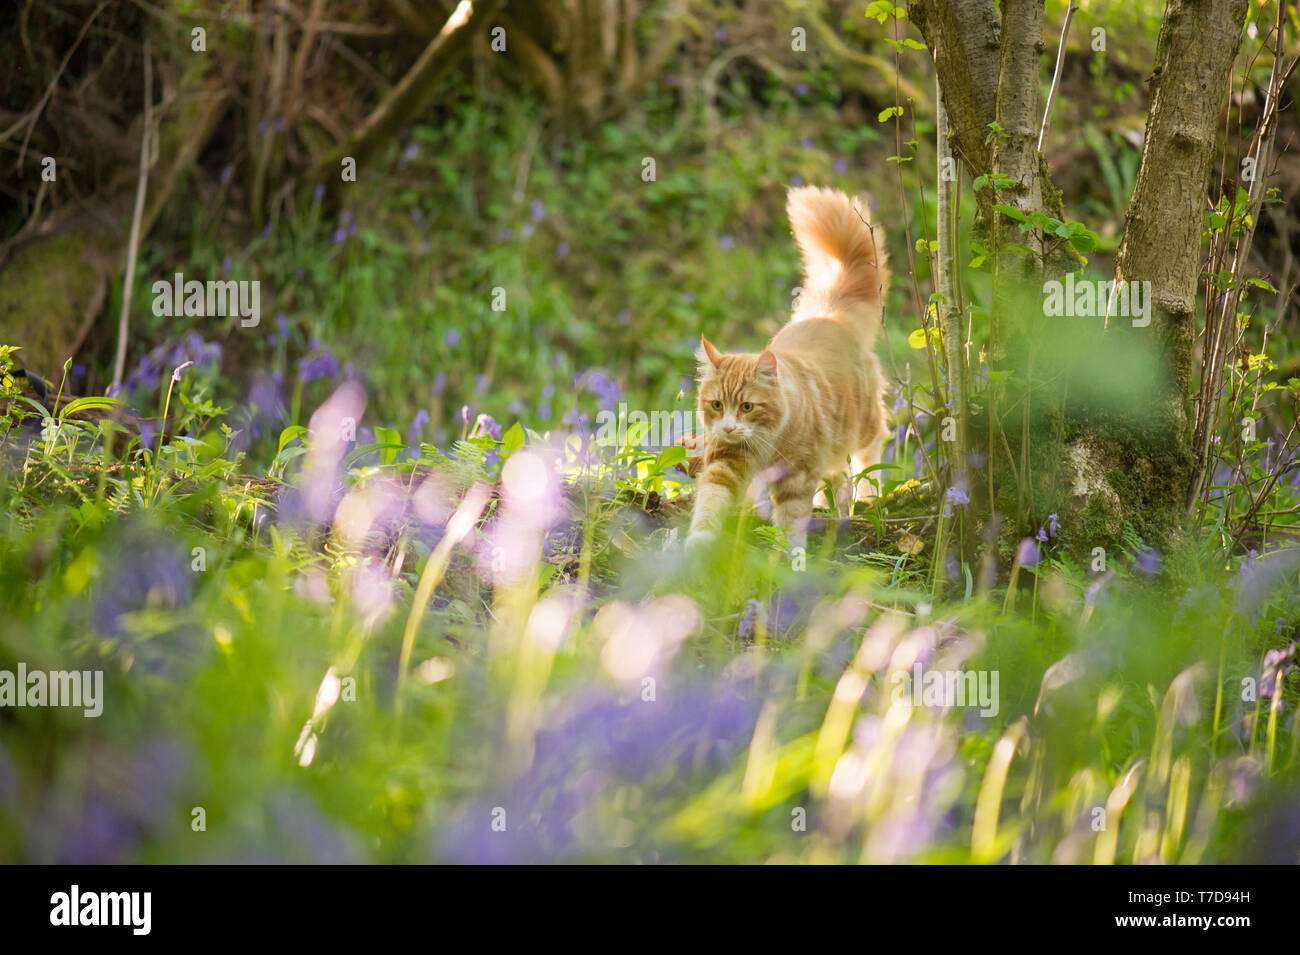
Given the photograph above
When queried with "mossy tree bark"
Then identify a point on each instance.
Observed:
(1055, 440)
(1147, 453)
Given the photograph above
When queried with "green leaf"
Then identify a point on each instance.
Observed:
(672, 455)
(888, 112)
(882, 10)
(917, 339)
(390, 442)
(89, 403)
(1084, 241)
(287, 435)
(512, 440)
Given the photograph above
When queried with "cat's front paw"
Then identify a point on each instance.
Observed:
(698, 540)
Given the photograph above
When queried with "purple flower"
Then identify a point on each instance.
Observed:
(486, 424)
(527, 230)
(841, 164)
(1041, 536)
(323, 365)
(439, 382)
(417, 426)
(957, 494)
(1148, 561)
(796, 180)
(562, 250)
(727, 242)
(604, 387)
(452, 338)
(538, 210)
(1053, 524)
(753, 612)
(152, 573)
(801, 89)
(1029, 554)
(806, 142)
(1277, 662)
(481, 383)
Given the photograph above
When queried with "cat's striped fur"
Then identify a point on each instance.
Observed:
(810, 405)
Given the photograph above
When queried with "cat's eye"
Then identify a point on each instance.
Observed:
(717, 405)
(747, 406)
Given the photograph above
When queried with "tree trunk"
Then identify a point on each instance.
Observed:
(1092, 421)
(1142, 459)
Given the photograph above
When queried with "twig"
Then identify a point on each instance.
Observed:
(1056, 75)
(133, 248)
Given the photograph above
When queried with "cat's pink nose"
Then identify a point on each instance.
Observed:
(728, 428)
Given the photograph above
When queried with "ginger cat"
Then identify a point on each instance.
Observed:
(814, 397)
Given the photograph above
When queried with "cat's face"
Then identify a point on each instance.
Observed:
(740, 400)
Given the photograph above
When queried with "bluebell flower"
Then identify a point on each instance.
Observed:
(957, 494)
(417, 427)
(322, 365)
(1148, 561)
(753, 612)
(486, 424)
(604, 387)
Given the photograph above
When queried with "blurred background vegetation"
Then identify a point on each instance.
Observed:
(522, 169)
(524, 172)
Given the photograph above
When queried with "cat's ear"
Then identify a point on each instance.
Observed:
(767, 364)
(708, 353)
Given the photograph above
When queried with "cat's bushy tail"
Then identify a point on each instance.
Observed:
(845, 266)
